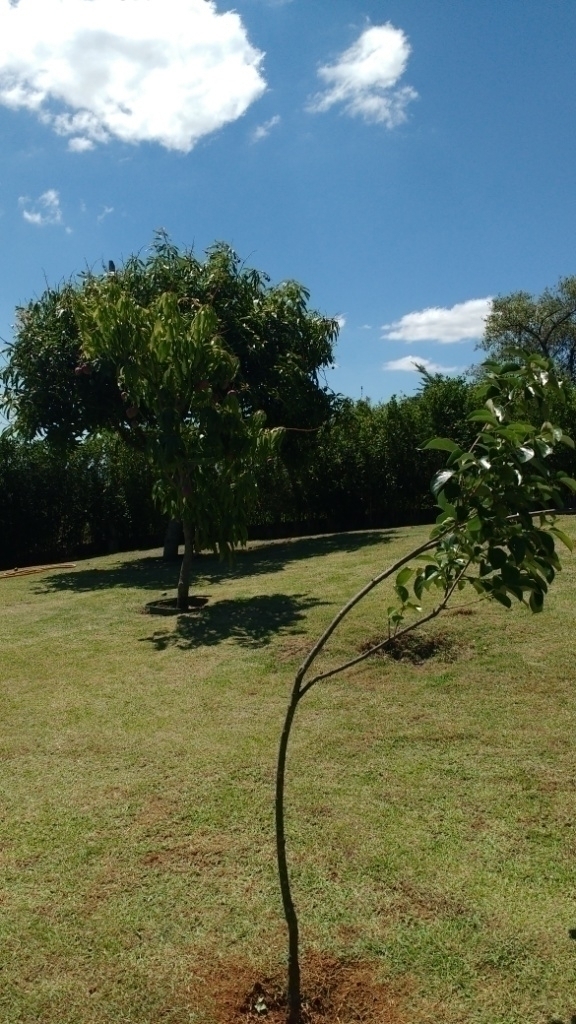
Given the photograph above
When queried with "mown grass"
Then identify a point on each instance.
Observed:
(432, 807)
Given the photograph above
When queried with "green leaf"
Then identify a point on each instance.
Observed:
(495, 410)
(474, 525)
(402, 593)
(536, 601)
(566, 540)
(517, 546)
(502, 598)
(483, 416)
(497, 557)
(404, 575)
(525, 453)
(441, 479)
(446, 506)
(442, 444)
(510, 575)
(568, 482)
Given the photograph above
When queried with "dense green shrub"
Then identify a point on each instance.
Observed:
(364, 468)
(57, 503)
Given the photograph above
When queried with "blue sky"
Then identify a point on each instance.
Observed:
(404, 159)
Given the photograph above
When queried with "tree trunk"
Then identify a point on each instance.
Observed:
(184, 581)
(294, 993)
(172, 540)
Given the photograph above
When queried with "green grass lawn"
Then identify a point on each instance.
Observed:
(432, 807)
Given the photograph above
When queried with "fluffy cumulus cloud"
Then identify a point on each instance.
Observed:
(364, 79)
(95, 70)
(42, 211)
(463, 321)
(412, 364)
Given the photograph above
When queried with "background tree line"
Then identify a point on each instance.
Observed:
(364, 468)
(165, 378)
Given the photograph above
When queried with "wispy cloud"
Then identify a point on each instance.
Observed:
(264, 129)
(461, 322)
(97, 71)
(341, 321)
(42, 211)
(364, 78)
(411, 364)
(105, 213)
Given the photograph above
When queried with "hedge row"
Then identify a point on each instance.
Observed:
(363, 469)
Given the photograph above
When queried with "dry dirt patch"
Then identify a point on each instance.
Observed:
(334, 992)
(416, 648)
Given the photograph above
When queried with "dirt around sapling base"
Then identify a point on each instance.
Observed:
(415, 648)
(334, 992)
(169, 606)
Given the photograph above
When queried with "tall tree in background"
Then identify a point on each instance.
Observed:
(281, 345)
(277, 346)
(176, 379)
(544, 325)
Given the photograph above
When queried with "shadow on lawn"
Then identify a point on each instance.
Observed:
(152, 573)
(250, 622)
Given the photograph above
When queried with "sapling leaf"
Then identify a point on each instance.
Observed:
(441, 479)
(566, 540)
(448, 509)
(567, 481)
(443, 444)
(483, 416)
(404, 575)
(474, 525)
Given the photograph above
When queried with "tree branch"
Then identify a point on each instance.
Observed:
(389, 640)
(355, 600)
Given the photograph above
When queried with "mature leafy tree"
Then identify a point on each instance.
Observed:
(178, 384)
(489, 536)
(281, 346)
(544, 325)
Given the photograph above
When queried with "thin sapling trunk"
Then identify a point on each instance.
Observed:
(185, 569)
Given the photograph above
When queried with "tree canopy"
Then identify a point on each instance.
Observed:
(543, 325)
(280, 344)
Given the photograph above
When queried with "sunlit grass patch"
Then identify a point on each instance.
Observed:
(432, 814)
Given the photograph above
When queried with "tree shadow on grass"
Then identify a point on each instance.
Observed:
(249, 622)
(152, 573)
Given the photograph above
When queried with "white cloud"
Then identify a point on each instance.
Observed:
(127, 69)
(364, 78)
(412, 363)
(463, 321)
(105, 213)
(42, 211)
(79, 144)
(264, 129)
(341, 321)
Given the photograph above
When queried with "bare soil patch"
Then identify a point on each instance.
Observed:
(415, 648)
(334, 992)
(169, 606)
